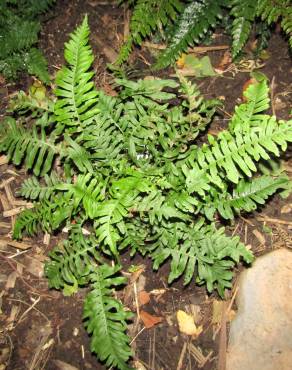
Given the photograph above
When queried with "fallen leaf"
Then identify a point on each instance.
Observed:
(149, 320)
(194, 66)
(143, 297)
(187, 324)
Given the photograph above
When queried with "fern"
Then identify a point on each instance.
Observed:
(191, 26)
(146, 18)
(75, 90)
(203, 248)
(198, 17)
(75, 263)
(132, 172)
(105, 318)
(244, 13)
(245, 197)
(19, 30)
(33, 190)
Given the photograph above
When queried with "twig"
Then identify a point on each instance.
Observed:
(34, 308)
(136, 300)
(222, 340)
(274, 220)
(272, 96)
(196, 49)
(137, 335)
(182, 356)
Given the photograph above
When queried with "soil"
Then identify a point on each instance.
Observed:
(42, 329)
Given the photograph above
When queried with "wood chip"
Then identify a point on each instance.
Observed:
(6, 182)
(9, 194)
(10, 283)
(259, 237)
(4, 202)
(47, 238)
(14, 243)
(13, 211)
(5, 225)
(34, 266)
(3, 160)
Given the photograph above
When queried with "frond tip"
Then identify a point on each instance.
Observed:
(105, 318)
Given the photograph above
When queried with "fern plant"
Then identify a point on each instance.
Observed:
(18, 37)
(193, 19)
(131, 173)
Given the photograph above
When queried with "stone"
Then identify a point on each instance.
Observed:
(260, 336)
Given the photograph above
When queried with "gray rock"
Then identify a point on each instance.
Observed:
(261, 334)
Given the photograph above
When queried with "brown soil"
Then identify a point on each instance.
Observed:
(41, 327)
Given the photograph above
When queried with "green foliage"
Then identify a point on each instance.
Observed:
(198, 17)
(18, 34)
(131, 176)
(195, 20)
(155, 14)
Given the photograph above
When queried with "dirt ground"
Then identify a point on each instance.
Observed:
(42, 329)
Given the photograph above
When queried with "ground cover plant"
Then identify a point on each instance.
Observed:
(187, 23)
(127, 171)
(19, 29)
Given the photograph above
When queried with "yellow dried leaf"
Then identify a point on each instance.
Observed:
(187, 324)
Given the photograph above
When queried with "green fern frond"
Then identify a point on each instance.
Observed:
(75, 90)
(37, 151)
(251, 113)
(246, 196)
(72, 261)
(110, 213)
(195, 20)
(46, 216)
(272, 11)
(202, 251)
(36, 64)
(148, 16)
(20, 36)
(88, 190)
(235, 156)
(105, 318)
(244, 13)
(33, 190)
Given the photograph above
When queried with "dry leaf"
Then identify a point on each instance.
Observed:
(143, 297)
(149, 320)
(187, 324)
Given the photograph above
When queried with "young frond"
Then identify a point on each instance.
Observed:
(194, 21)
(251, 113)
(77, 96)
(105, 318)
